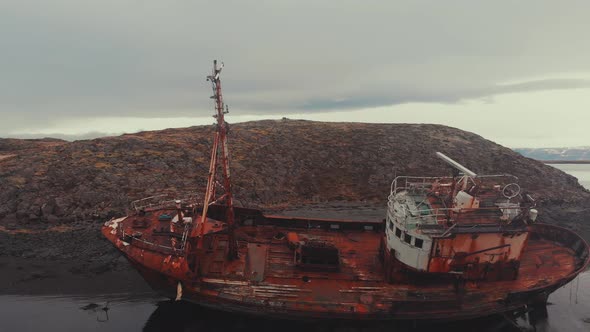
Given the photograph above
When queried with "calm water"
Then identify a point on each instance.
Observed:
(581, 171)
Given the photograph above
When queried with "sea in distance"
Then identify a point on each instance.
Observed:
(580, 171)
(568, 310)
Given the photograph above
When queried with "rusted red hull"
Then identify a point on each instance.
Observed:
(416, 312)
(265, 280)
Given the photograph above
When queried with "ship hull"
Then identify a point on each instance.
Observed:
(165, 289)
(358, 290)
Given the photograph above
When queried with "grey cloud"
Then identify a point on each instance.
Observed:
(446, 97)
(64, 59)
(548, 84)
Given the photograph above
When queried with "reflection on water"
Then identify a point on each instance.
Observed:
(177, 317)
(569, 307)
(569, 310)
(76, 313)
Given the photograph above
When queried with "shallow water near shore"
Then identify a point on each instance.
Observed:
(568, 308)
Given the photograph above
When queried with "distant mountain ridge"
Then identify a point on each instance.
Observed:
(577, 153)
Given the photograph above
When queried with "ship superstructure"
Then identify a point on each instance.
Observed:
(468, 225)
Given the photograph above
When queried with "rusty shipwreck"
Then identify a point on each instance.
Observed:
(450, 247)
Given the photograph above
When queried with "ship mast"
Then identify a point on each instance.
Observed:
(220, 139)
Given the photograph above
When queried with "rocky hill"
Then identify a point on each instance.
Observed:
(274, 163)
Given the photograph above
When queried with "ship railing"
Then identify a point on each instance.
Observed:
(428, 213)
(150, 245)
(426, 218)
(420, 184)
(163, 201)
(148, 202)
(413, 184)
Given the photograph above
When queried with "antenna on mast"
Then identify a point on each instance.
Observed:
(220, 137)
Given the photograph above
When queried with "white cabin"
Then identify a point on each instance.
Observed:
(405, 213)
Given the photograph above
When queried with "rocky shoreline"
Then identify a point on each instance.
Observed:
(76, 260)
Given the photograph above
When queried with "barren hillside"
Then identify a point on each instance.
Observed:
(274, 163)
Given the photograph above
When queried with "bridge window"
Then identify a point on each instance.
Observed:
(407, 238)
(418, 243)
(398, 232)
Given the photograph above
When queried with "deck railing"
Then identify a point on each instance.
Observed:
(150, 245)
(422, 183)
(441, 216)
(163, 201)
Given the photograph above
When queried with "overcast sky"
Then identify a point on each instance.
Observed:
(515, 72)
